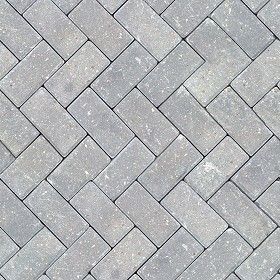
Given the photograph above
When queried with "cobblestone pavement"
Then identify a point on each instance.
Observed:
(139, 139)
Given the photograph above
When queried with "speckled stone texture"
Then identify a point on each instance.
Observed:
(139, 139)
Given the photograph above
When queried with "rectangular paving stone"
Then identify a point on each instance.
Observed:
(192, 120)
(255, 5)
(103, 125)
(34, 258)
(260, 76)
(146, 121)
(111, 5)
(28, 75)
(264, 262)
(66, 5)
(159, 5)
(172, 258)
(53, 121)
(123, 74)
(170, 73)
(147, 214)
(52, 209)
(194, 214)
(170, 167)
(211, 266)
(159, 39)
(8, 60)
(261, 170)
(6, 157)
(239, 120)
(251, 223)
(79, 259)
(31, 167)
(44, 277)
(232, 277)
(101, 213)
(7, 248)
(224, 61)
(216, 168)
(125, 258)
(82, 165)
(53, 25)
(110, 37)
(124, 169)
(21, 5)
(16, 34)
(89, 277)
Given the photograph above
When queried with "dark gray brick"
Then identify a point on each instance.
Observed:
(8, 60)
(7, 248)
(6, 157)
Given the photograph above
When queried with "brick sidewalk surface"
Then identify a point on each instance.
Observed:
(139, 139)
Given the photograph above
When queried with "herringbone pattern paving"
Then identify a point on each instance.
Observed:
(139, 139)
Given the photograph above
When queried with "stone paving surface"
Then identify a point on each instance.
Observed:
(139, 139)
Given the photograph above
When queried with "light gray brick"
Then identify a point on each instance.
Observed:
(239, 120)
(147, 214)
(66, 5)
(170, 73)
(79, 259)
(124, 169)
(277, 277)
(89, 277)
(125, 258)
(31, 167)
(8, 60)
(82, 165)
(243, 27)
(28, 75)
(211, 266)
(251, 223)
(56, 213)
(170, 167)
(135, 277)
(224, 60)
(7, 248)
(21, 5)
(146, 121)
(53, 121)
(159, 5)
(264, 262)
(34, 258)
(232, 277)
(196, 217)
(101, 213)
(216, 168)
(55, 27)
(192, 120)
(172, 258)
(110, 37)
(16, 34)
(255, 5)
(261, 170)
(104, 126)
(111, 5)
(123, 74)
(44, 277)
(260, 76)
(6, 157)
(159, 38)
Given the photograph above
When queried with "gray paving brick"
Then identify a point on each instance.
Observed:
(111, 5)
(82, 165)
(28, 75)
(31, 167)
(21, 5)
(125, 258)
(7, 248)
(44, 277)
(110, 37)
(170, 167)
(216, 168)
(224, 60)
(197, 217)
(251, 223)
(135, 277)
(149, 216)
(159, 38)
(101, 213)
(89, 277)
(66, 5)
(255, 5)
(260, 76)
(170, 73)
(56, 213)
(261, 170)
(277, 277)
(124, 169)
(6, 157)
(264, 262)
(239, 120)
(123, 74)
(53, 121)
(53, 25)
(146, 121)
(211, 266)
(159, 5)
(192, 120)
(76, 74)
(104, 126)
(232, 277)
(8, 60)
(79, 259)
(17, 35)
(34, 258)
(172, 258)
